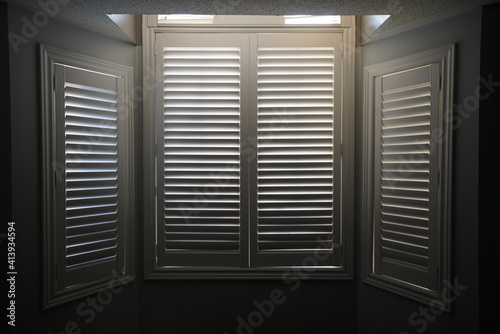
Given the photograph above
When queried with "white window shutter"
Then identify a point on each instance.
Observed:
(88, 193)
(199, 158)
(406, 175)
(298, 148)
(249, 137)
(87, 128)
(407, 185)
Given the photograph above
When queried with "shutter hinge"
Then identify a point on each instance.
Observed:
(54, 82)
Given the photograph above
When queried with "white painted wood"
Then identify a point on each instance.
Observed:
(407, 174)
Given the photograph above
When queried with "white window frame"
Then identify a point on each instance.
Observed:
(248, 20)
(151, 81)
(56, 292)
(441, 58)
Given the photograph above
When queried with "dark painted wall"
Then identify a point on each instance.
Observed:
(380, 311)
(182, 307)
(6, 203)
(5, 207)
(489, 178)
(120, 315)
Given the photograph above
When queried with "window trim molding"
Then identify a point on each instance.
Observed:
(445, 57)
(151, 270)
(49, 56)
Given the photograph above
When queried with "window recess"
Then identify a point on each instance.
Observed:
(249, 177)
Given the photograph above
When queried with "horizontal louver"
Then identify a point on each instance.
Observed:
(406, 176)
(91, 164)
(245, 151)
(405, 179)
(88, 193)
(295, 133)
(407, 186)
(201, 149)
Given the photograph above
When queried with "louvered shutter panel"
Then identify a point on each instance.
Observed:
(88, 177)
(406, 176)
(298, 149)
(199, 156)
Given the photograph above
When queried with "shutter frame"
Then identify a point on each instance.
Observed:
(154, 265)
(376, 270)
(63, 155)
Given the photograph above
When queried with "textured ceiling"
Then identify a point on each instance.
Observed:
(92, 13)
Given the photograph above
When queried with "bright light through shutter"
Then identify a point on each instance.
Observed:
(202, 135)
(88, 121)
(298, 155)
(199, 169)
(247, 166)
(295, 148)
(91, 173)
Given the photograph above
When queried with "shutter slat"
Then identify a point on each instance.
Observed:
(402, 258)
(88, 229)
(94, 254)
